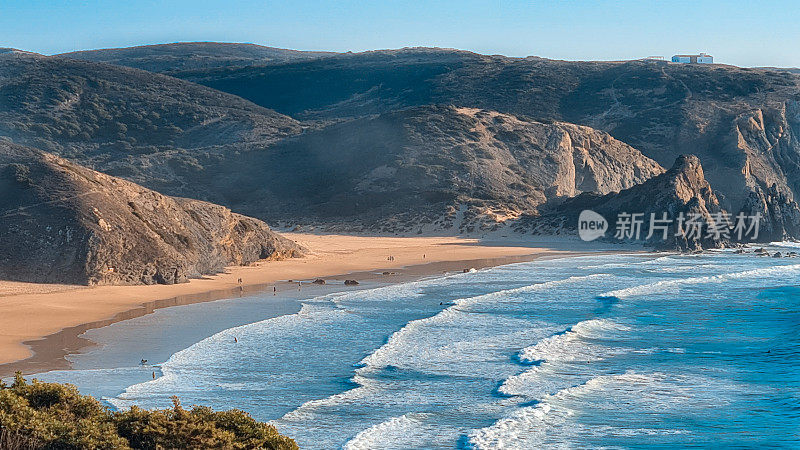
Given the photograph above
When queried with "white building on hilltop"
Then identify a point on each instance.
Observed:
(702, 58)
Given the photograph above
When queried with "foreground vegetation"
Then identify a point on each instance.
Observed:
(37, 415)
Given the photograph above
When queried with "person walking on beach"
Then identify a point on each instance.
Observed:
(274, 290)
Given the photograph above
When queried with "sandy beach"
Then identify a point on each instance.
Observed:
(41, 323)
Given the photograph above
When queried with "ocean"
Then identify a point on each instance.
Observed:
(609, 350)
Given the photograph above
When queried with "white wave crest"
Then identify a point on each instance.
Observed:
(393, 433)
(574, 345)
(660, 286)
(405, 337)
(571, 345)
(552, 421)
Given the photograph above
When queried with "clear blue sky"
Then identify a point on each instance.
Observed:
(746, 33)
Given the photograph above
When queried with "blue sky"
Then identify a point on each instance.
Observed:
(746, 33)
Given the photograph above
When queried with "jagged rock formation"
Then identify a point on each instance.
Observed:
(781, 215)
(420, 166)
(192, 55)
(682, 191)
(65, 223)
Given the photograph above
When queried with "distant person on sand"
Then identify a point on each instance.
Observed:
(274, 290)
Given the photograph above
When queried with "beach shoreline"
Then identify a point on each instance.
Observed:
(32, 346)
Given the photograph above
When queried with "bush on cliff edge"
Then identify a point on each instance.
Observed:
(39, 415)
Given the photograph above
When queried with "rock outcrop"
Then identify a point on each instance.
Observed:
(682, 191)
(781, 216)
(68, 224)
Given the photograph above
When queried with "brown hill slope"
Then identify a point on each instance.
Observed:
(146, 127)
(420, 165)
(166, 58)
(743, 123)
(65, 223)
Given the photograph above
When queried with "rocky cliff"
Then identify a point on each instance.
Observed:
(678, 194)
(416, 168)
(65, 223)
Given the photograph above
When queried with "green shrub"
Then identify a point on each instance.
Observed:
(39, 415)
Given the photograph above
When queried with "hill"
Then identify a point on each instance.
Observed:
(177, 56)
(372, 150)
(146, 127)
(421, 167)
(742, 123)
(68, 224)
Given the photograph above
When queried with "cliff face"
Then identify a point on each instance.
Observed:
(680, 191)
(68, 224)
(423, 164)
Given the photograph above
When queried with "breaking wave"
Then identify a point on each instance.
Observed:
(664, 285)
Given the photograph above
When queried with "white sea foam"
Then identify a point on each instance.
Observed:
(397, 432)
(455, 341)
(554, 421)
(188, 370)
(574, 345)
(626, 262)
(406, 341)
(666, 285)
